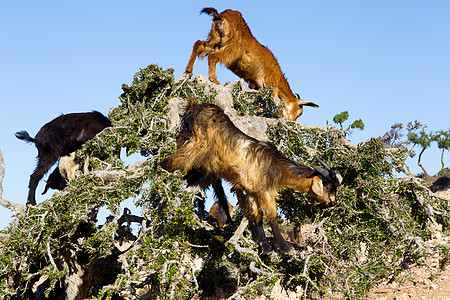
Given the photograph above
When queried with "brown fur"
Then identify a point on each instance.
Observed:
(218, 213)
(69, 168)
(294, 235)
(231, 43)
(209, 141)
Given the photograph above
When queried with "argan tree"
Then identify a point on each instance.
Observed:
(342, 117)
(59, 250)
(442, 138)
(422, 139)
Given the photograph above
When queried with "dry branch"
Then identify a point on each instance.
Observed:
(13, 207)
(134, 171)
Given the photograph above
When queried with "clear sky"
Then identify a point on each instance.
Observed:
(384, 61)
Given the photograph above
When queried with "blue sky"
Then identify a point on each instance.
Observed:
(383, 61)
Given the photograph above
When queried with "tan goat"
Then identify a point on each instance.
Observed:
(210, 142)
(231, 43)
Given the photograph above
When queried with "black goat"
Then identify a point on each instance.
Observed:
(60, 137)
(55, 181)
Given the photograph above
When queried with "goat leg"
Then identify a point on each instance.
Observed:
(201, 206)
(198, 49)
(255, 224)
(44, 164)
(222, 199)
(212, 62)
(257, 230)
(281, 243)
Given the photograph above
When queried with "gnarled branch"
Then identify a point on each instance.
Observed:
(13, 207)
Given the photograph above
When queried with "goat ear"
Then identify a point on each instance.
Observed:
(317, 186)
(301, 102)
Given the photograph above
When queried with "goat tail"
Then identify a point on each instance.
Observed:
(23, 135)
(190, 104)
(211, 11)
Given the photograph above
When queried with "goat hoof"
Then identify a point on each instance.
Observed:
(286, 249)
(187, 74)
(31, 201)
(266, 249)
(212, 79)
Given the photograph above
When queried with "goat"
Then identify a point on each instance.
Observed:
(59, 137)
(208, 140)
(197, 178)
(231, 43)
(55, 181)
(294, 235)
(220, 214)
(69, 167)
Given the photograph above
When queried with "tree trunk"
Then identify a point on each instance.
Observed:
(420, 165)
(13, 207)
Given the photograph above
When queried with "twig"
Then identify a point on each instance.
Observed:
(428, 209)
(50, 256)
(239, 231)
(197, 246)
(304, 274)
(255, 270)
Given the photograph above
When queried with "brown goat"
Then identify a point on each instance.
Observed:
(218, 213)
(294, 235)
(209, 141)
(231, 43)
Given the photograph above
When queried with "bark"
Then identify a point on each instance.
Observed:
(18, 209)
(13, 207)
(251, 125)
(80, 278)
(420, 164)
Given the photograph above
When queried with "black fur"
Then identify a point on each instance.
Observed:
(59, 137)
(196, 177)
(210, 11)
(55, 181)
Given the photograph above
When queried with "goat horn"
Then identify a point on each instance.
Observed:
(322, 171)
(339, 177)
(301, 102)
(326, 166)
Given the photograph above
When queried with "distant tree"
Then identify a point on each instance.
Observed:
(415, 135)
(342, 117)
(392, 138)
(442, 138)
(423, 139)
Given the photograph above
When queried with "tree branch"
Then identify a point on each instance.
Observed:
(13, 207)
(114, 175)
